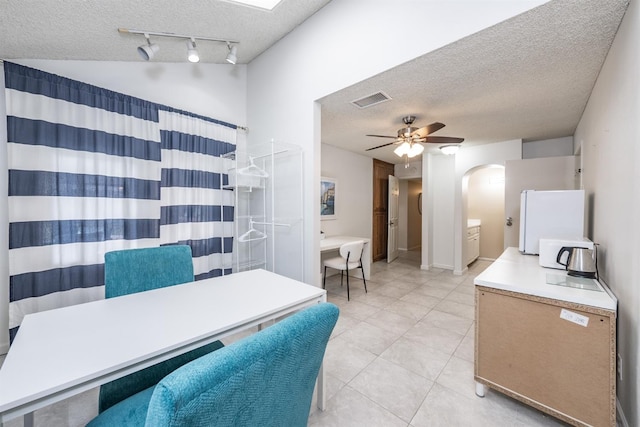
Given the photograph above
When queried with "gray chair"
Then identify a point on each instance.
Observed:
(266, 379)
(350, 259)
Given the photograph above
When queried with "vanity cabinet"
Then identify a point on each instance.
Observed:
(473, 240)
(550, 346)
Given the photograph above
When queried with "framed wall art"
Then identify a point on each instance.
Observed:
(327, 198)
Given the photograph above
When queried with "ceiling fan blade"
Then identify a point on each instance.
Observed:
(443, 139)
(427, 130)
(380, 146)
(383, 136)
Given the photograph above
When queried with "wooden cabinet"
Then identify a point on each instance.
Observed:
(527, 350)
(556, 355)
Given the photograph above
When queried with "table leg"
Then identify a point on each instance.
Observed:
(480, 389)
(322, 398)
(28, 420)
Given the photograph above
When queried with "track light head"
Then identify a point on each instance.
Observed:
(147, 51)
(231, 56)
(192, 53)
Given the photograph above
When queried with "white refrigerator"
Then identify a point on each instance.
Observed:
(550, 214)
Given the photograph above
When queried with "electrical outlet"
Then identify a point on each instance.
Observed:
(619, 367)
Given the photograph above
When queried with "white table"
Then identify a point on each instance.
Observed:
(332, 243)
(60, 353)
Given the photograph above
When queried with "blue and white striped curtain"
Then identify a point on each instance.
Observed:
(196, 209)
(87, 176)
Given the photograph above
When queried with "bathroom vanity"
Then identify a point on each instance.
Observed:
(473, 240)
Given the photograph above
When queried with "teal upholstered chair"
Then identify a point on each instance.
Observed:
(266, 379)
(137, 270)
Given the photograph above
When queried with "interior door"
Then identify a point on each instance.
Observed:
(392, 224)
(381, 172)
(548, 173)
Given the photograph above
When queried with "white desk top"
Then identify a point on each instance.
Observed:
(79, 347)
(515, 272)
(334, 242)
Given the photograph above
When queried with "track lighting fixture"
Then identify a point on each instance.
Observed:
(192, 53)
(148, 50)
(231, 56)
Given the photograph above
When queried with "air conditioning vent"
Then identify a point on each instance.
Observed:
(371, 100)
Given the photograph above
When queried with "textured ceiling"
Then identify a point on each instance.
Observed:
(87, 29)
(528, 77)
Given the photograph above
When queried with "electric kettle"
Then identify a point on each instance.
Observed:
(581, 262)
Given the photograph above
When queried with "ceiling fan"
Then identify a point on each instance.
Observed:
(410, 138)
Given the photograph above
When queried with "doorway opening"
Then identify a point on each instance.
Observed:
(485, 213)
(410, 215)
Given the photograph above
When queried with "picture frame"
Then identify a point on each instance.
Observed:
(328, 198)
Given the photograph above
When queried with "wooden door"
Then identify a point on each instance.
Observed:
(381, 172)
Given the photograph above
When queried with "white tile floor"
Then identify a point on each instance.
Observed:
(400, 355)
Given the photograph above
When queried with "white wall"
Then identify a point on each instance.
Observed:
(217, 91)
(608, 134)
(317, 59)
(485, 201)
(467, 159)
(548, 148)
(413, 170)
(441, 188)
(354, 192)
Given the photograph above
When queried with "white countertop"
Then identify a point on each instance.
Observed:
(334, 242)
(515, 272)
(473, 223)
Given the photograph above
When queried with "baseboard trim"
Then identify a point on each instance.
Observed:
(621, 419)
(445, 266)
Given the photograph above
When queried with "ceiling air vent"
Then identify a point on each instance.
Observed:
(371, 100)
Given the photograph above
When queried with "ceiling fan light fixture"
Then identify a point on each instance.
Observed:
(450, 149)
(402, 149)
(415, 150)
